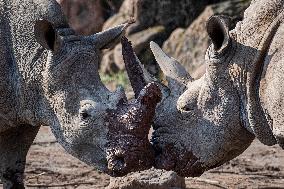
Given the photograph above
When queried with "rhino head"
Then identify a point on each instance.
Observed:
(198, 124)
(202, 124)
(88, 120)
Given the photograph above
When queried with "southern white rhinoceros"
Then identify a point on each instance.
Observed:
(49, 76)
(204, 123)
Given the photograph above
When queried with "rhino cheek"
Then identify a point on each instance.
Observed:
(190, 145)
(173, 143)
(84, 139)
(91, 154)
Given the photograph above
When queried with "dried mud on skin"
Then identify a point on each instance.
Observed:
(128, 147)
(49, 166)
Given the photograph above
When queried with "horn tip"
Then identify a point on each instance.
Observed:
(128, 23)
(153, 45)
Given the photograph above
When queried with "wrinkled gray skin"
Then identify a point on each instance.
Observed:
(204, 123)
(49, 76)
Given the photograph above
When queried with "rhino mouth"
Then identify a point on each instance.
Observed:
(175, 157)
(129, 154)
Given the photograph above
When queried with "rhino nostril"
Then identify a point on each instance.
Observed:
(118, 163)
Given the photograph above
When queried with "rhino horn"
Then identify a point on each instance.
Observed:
(139, 77)
(175, 73)
(106, 39)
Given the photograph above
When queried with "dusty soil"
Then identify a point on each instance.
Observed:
(49, 166)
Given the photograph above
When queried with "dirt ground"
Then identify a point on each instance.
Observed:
(49, 166)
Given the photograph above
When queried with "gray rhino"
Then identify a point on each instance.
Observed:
(49, 76)
(204, 123)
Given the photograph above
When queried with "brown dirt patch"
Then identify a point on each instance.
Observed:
(49, 166)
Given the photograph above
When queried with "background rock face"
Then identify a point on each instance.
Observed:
(177, 25)
(150, 15)
(88, 16)
(189, 45)
(170, 13)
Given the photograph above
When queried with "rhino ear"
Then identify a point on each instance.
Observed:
(45, 35)
(218, 30)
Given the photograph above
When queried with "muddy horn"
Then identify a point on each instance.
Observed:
(129, 148)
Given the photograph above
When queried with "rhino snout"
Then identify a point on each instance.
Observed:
(182, 161)
(127, 153)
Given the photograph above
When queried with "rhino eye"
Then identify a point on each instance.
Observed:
(187, 108)
(85, 115)
(86, 111)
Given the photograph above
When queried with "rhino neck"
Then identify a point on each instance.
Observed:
(22, 58)
(253, 114)
(8, 69)
(271, 86)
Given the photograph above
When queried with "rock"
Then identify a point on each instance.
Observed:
(124, 14)
(169, 13)
(113, 4)
(108, 66)
(149, 179)
(148, 15)
(87, 17)
(189, 45)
